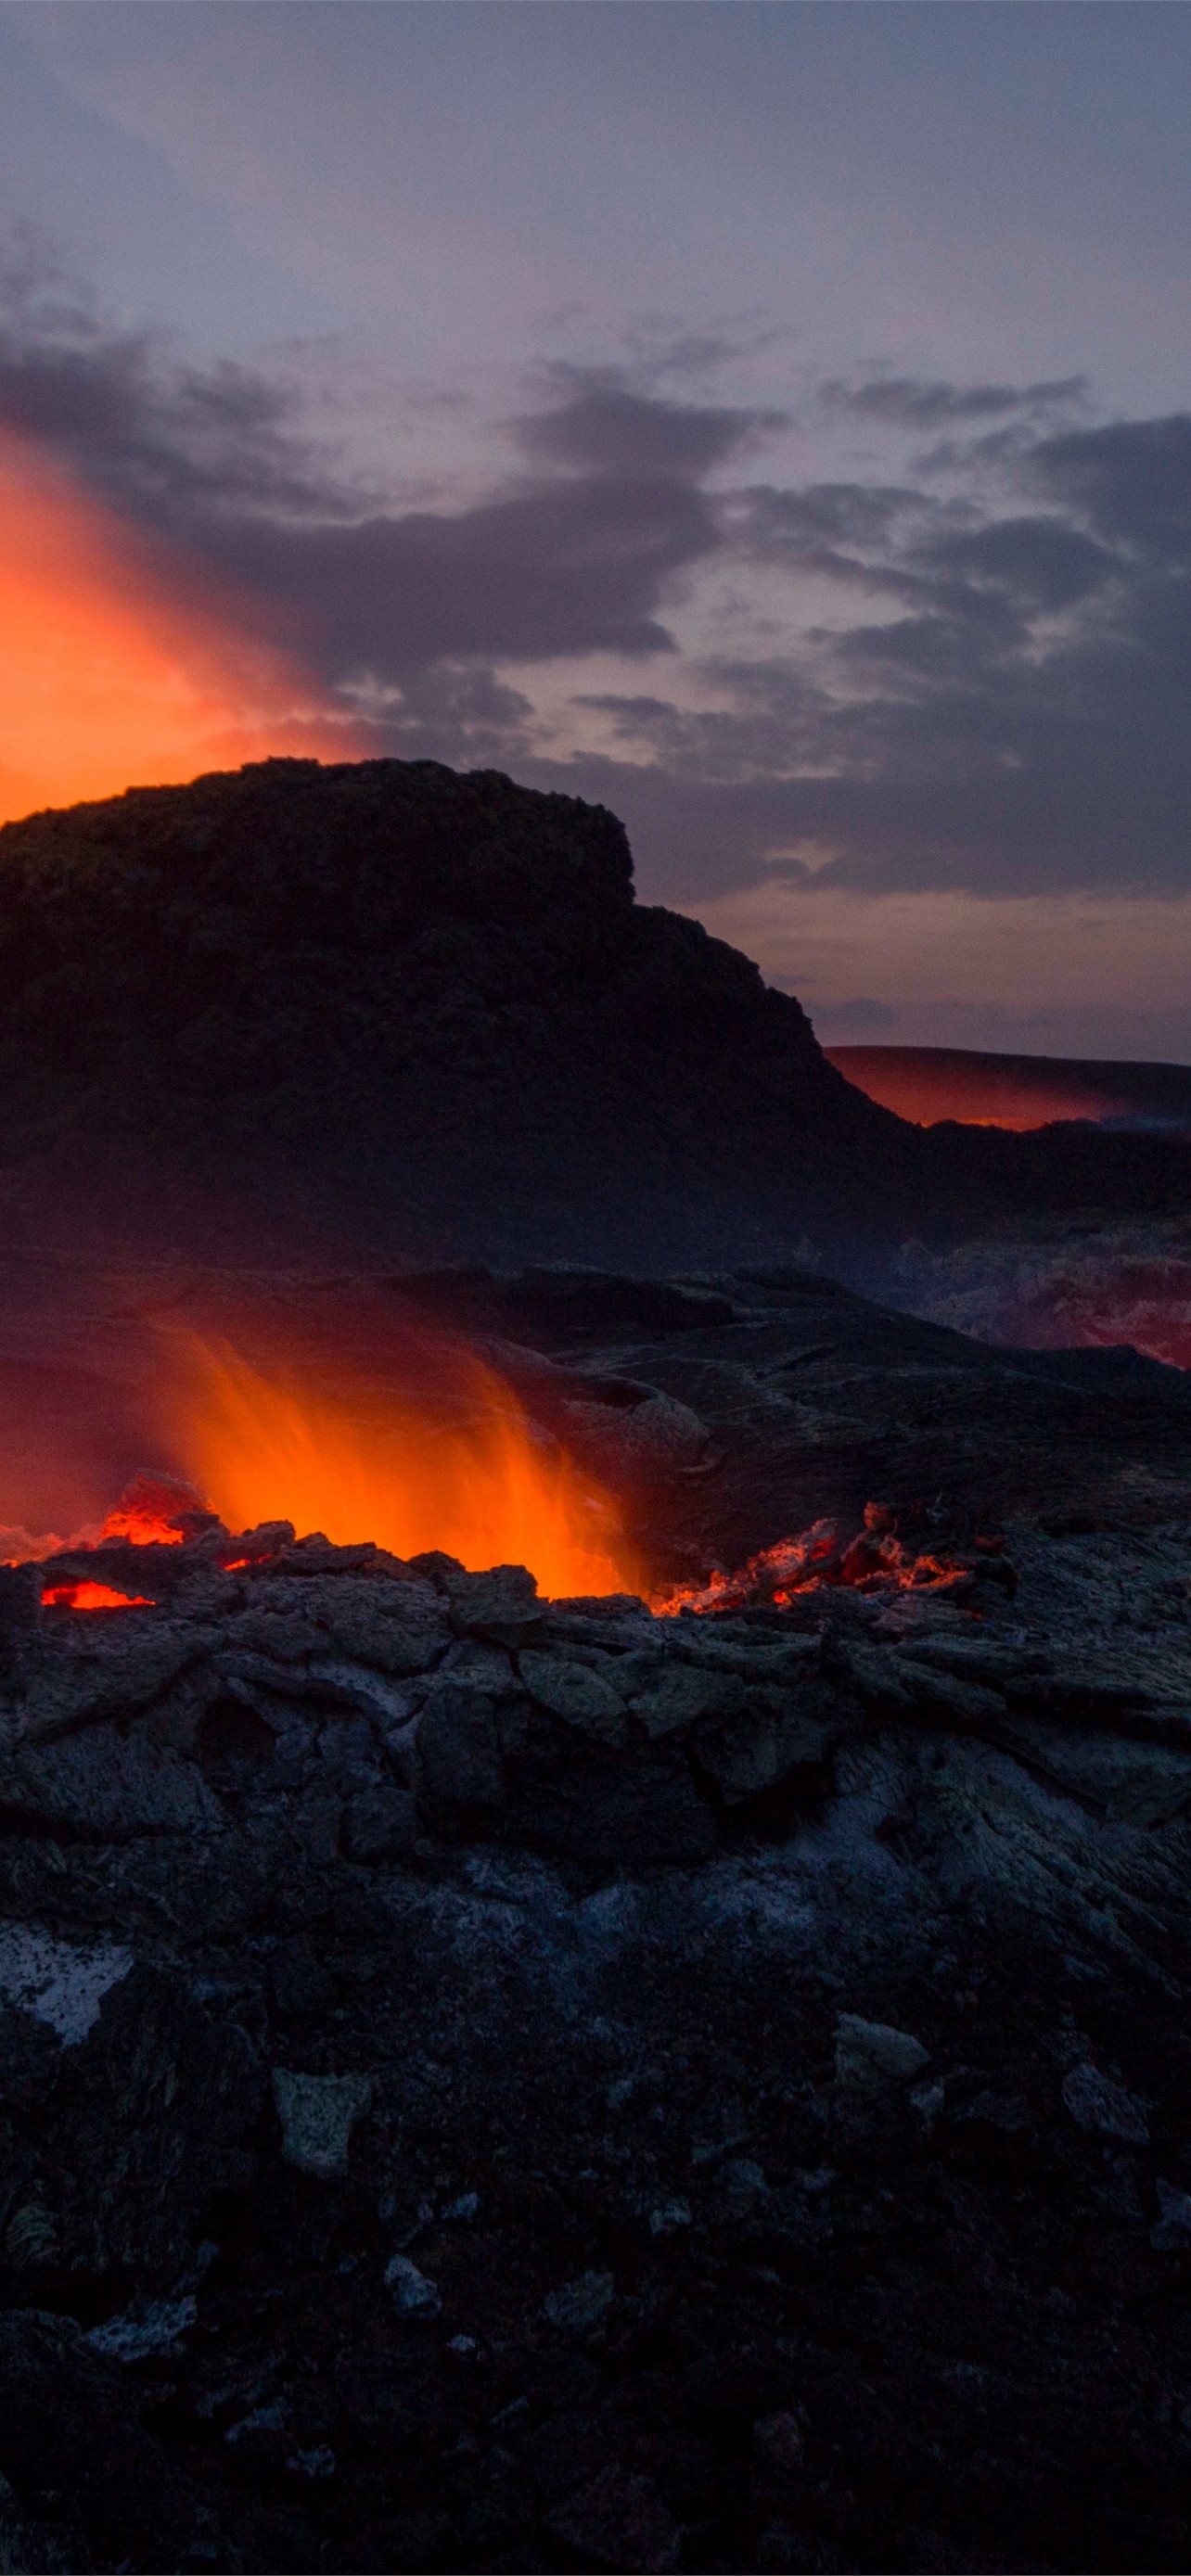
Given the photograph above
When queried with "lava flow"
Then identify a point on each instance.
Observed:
(874, 1561)
(94, 1596)
(456, 1467)
(469, 1474)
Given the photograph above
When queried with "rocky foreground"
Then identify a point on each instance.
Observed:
(495, 2084)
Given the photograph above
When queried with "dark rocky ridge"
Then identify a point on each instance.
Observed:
(492, 2084)
(385, 1006)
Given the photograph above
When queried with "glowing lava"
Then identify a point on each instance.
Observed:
(874, 1561)
(118, 663)
(477, 1481)
(928, 1084)
(93, 1596)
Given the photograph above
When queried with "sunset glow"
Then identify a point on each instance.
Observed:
(108, 676)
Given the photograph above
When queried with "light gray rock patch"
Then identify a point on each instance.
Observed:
(55, 1982)
(317, 2115)
(1102, 2108)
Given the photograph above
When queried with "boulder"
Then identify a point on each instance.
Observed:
(685, 1698)
(765, 1747)
(573, 1692)
(870, 2055)
(380, 1823)
(1103, 2108)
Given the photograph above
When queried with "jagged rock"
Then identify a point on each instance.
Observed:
(20, 1598)
(410, 2290)
(686, 1698)
(608, 1997)
(614, 1814)
(763, 1748)
(618, 2521)
(459, 1749)
(572, 1692)
(870, 2055)
(581, 2305)
(62, 1984)
(154, 2327)
(301, 1984)
(380, 1823)
(1104, 2108)
(317, 2115)
(501, 1605)
(1171, 2232)
(69, 2436)
(105, 1786)
(148, 2109)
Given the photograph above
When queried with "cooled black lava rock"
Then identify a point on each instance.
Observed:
(698, 2093)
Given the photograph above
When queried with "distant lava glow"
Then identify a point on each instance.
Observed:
(928, 1084)
(113, 669)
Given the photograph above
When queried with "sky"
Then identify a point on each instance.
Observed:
(769, 420)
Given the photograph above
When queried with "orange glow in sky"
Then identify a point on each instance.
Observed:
(926, 1084)
(108, 676)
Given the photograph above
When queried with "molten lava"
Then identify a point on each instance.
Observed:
(874, 1561)
(93, 1596)
(155, 1511)
(476, 1479)
(454, 1466)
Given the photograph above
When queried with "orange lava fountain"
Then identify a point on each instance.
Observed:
(481, 1483)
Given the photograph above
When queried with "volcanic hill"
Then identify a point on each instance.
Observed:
(384, 1008)
(419, 1003)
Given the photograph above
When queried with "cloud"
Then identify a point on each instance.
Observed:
(576, 557)
(918, 403)
(1131, 480)
(605, 427)
(173, 445)
(997, 701)
(860, 1018)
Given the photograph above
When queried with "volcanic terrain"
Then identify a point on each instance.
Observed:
(495, 2082)
(593, 1825)
(386, 1009)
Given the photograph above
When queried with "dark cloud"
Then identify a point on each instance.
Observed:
(1017, 725)
(999, 704)
(565, 568)
(579, 557)
(917, 403)
(1131, 480)
(1038, 562)
(176, 446)
(605, 427)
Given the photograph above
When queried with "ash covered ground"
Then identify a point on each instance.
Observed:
(494, 2084)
